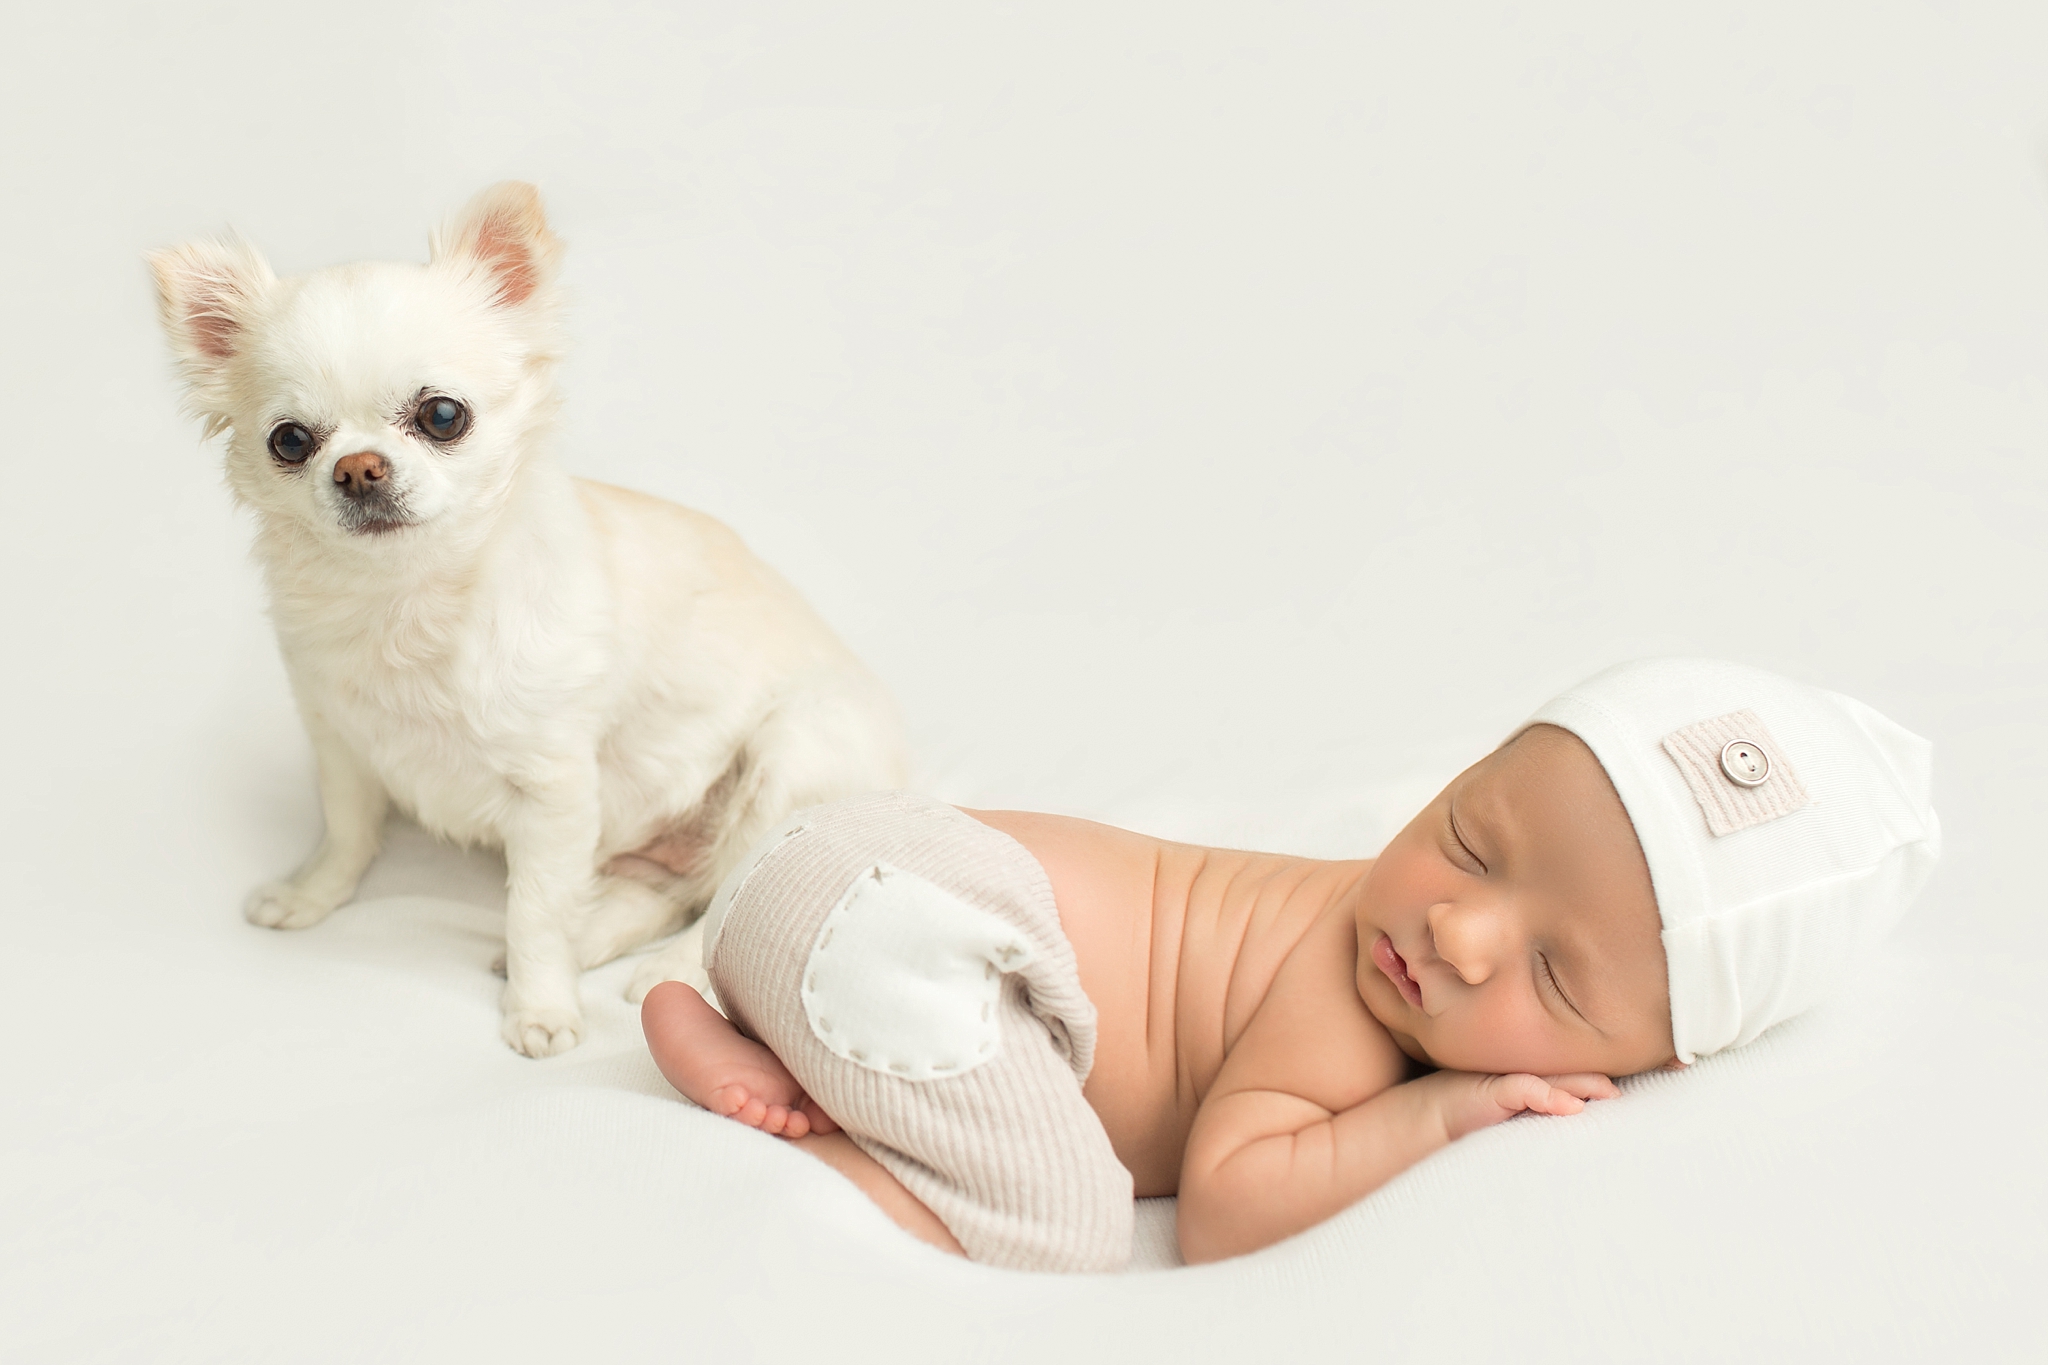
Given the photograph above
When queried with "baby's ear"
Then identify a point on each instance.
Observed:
(504, 234)
(207, 293)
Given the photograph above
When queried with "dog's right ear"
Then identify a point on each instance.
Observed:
(206, 294)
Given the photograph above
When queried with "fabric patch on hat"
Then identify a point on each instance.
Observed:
(1737, 772)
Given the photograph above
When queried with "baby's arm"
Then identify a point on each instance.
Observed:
(1308, 1115)
(1263, 1165)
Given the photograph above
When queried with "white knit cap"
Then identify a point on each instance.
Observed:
(1787, 829)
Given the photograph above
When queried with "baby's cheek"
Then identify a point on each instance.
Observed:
(1403, 885)
(1507, 1035)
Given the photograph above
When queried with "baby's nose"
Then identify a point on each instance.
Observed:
(360, 473)
(1468, 938)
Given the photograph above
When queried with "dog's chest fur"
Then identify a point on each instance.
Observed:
(458, 699)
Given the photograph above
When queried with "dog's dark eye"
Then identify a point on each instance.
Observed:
(291, 442)
(441, 419)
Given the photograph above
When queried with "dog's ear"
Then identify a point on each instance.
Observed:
(206, 295)
(503, 233)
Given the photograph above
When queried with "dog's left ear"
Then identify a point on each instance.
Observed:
(503, 233)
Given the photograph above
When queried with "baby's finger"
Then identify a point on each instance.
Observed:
(1587, 1085)
(1557, 1100)
(1518, 1091)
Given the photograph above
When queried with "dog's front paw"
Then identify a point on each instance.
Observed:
(280, 905)
(542, 1031)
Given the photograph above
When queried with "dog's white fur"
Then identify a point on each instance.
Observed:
(607, 686)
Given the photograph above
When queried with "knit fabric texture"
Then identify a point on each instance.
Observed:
(1700, 752)
(1008, 1155)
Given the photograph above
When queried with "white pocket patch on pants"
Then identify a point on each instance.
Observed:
(905, 977)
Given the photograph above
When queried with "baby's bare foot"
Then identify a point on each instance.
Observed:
(714, 1065)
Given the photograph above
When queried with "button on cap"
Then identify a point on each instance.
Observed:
(1745, 763)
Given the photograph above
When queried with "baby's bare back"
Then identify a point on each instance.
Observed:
(1179, 947)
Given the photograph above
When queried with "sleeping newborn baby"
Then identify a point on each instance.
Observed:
(1002, 1026)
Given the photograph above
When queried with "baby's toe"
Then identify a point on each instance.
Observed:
(727, 1101)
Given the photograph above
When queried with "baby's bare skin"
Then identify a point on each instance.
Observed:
(1262, 1019)
(1178, 948)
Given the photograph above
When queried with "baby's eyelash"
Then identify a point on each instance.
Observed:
(1551, 977)
(1452, 813)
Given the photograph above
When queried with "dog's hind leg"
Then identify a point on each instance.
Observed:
(814, 748)
(658, 888)
(638, 901)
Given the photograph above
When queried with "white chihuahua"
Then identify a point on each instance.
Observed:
(608, 686)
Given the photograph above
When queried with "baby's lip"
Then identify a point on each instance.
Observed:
(1395, 968)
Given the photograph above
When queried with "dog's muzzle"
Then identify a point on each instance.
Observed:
(370, 504)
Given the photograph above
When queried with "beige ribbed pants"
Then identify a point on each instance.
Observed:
(1006, 1152)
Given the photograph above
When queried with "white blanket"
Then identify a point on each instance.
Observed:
(1223, 422)
(227, 1143)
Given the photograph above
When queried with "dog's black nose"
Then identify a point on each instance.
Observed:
(360, 473)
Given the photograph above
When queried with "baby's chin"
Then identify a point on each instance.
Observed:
(1485, 1061)
(1416, 1052)
(1406, 1041)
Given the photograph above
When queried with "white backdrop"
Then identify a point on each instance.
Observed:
(1224, 421)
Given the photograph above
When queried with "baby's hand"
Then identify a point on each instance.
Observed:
(1468, 1102)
